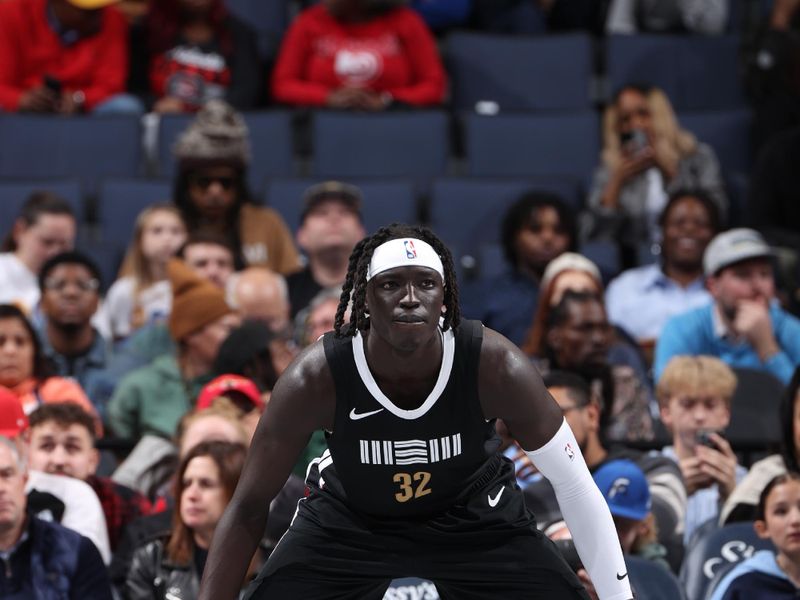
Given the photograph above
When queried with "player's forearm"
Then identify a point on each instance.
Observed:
(585, 512)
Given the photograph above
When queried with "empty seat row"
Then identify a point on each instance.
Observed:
(348, 145)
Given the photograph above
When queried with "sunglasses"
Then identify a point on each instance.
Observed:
(206, 181)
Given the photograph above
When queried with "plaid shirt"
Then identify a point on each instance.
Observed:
(121, 505)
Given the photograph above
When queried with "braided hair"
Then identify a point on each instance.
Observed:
(356, 279)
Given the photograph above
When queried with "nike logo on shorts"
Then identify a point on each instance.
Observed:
(354, 416)
(621, 577)
(493, 501)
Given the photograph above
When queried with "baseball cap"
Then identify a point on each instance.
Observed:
(625, 488)
(92, 4)
(733, 246)
(13, 420)
(224, 384)
(345, 193)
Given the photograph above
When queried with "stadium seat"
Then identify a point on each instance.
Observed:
(270, 143)
(729, 544)
(555, 146)
(267, 17)
(384, 201)
(727, 132)
(107, 255)
(394, 144)
(89, 148)
(520, 73)
(120, 201)
(605, 254)
(651, 581)
(13, 195)
(696, 72)
(754, 410)
(467, 213)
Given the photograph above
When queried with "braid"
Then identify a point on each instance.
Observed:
(355, 283)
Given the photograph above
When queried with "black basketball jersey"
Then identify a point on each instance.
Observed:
(385, 461)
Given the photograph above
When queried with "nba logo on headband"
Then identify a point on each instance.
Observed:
(397, 253)
(410, 252)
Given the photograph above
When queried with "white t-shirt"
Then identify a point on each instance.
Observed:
(82, 509)
(155, 301)
(18, 284)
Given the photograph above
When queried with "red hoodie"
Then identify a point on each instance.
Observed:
(29, 48)
(392, 53)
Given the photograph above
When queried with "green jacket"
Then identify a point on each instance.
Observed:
(152, 399)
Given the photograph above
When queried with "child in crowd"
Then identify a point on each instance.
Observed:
(694, 396)
(770, 575)
(144, 294)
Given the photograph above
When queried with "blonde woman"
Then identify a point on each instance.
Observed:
(143, 294)
(645, 157)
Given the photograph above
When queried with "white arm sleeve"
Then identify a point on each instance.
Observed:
(585, 512)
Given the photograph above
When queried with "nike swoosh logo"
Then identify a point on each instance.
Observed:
(621, 577)
(493, 501)
(356, 416)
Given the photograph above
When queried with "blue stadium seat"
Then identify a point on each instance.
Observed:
(696, 72)
(651, 581)
(554, 146)
(395, 144)
(727, 132)
(267, 17)
(270, 142)
(89, 148)
(755, 407)
(120, 201)
(520, 73)
(107, 255)
(729, 544)
(466, 213)
(384, 201)
(605, 254)
(13, 195)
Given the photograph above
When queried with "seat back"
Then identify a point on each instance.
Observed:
(651, 581)
(14, 193)
(729, 544)
(384, 201)
(407, 145)
(120, 201)
(85, 147)
(755, 410)
(696, 72)
(271, 145)
(520, 73)
(554, 146)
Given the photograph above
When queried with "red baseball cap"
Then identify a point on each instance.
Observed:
(13, 419)
(224, 384)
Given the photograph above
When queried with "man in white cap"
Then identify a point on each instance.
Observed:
(743, 326)
(64, 56)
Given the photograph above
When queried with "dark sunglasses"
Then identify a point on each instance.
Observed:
(205, 181)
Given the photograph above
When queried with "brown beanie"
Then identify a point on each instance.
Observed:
(195, 301)
(218, 134)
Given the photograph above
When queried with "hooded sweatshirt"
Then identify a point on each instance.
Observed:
(756, 578)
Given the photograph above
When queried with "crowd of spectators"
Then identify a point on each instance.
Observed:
(127, 406)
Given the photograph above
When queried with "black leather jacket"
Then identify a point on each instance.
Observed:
(153, 576)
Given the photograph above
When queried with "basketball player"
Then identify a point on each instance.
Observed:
(412, 483)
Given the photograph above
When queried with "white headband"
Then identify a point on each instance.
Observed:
(404, 252)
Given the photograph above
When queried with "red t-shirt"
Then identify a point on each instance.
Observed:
(29, 49)
(392, 53)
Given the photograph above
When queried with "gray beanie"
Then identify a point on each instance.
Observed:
(217, 134)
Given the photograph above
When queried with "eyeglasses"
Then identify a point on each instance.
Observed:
(59, 285)
(206, 181)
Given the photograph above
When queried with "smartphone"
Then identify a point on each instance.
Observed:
(53, 84)
(703, 438)
(635, 140)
